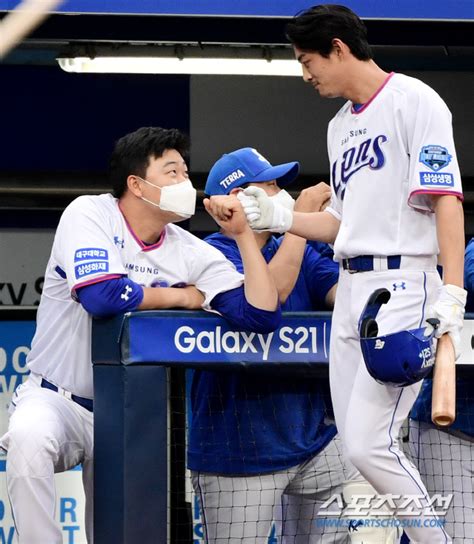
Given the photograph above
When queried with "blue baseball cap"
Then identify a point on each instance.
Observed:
(243, 166)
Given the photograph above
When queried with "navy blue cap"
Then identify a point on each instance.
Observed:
(246, 165)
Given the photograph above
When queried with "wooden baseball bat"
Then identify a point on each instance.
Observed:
(22, 20)
(443, 401)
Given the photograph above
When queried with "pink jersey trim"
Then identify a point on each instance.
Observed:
(427, 192)
(143, 246)
(96, 280)
(372, 98)
(161, 239)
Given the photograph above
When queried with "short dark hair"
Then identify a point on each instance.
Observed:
(315, 28)
(132, 153)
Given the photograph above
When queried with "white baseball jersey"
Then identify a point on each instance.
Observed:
(93, 242)
(385, 160)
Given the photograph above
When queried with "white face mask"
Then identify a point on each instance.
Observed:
(179, 198)
(284, 199)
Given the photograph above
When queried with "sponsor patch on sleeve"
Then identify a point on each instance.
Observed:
(436, 180)
(87, 253)
(435, 157)
(87, 269)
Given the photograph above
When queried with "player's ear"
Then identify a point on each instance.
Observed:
(134, 185)
(339, 47)
(235, 190)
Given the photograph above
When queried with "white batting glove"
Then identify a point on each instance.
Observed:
(262, 213)
(250, 206)
(449, 309)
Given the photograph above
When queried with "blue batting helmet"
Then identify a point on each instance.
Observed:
(398, 359)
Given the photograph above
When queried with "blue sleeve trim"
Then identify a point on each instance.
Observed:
(243, 316)
(61, 272)
(110, 297)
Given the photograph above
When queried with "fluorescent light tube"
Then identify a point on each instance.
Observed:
(174, 65)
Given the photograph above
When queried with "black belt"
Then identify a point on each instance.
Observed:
(88, 404)
(365, 263)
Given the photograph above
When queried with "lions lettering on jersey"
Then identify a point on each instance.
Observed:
(368, 153)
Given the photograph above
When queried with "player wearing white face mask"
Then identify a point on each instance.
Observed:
(273, 468)
(179, 198)
(112, 254)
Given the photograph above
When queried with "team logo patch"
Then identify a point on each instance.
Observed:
(119, 242)
(437, 180)
(124, 295)
(86, 269)
(435, 157)
(402, 285)
(379, 344)
(86, 253)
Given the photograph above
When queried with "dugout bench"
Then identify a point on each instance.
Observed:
(130, 355)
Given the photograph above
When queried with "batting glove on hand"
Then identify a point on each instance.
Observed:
(262, 213)
(449, 309)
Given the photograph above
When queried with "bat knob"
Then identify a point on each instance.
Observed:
(434, 322)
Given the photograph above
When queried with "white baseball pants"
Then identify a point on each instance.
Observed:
(47, 433)
(369, 415)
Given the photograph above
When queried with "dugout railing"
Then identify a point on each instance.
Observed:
(140, 361)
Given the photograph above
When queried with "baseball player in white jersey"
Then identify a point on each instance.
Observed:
(396, 206)
(113, 254)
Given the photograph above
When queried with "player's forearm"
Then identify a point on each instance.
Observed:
(286, 264)
(260, 290)
(450, 231)
(160, 298)
(321, 226)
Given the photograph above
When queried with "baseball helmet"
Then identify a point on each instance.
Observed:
(400, 358)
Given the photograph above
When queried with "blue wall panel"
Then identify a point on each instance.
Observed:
(398, 9)
(53, 120)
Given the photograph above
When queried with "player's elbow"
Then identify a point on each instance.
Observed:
(98, 308)
(244, 316)
(262, 321)
(110, 297)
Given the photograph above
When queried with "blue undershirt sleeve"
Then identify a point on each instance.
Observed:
(110, 297)
(469, 266)
(321, 275)
(241, 315)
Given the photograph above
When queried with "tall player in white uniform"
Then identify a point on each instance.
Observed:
(396, 206)
(113, 254)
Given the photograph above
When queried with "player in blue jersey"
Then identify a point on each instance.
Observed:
(445, 457)
(113, 254)
(260, 450)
